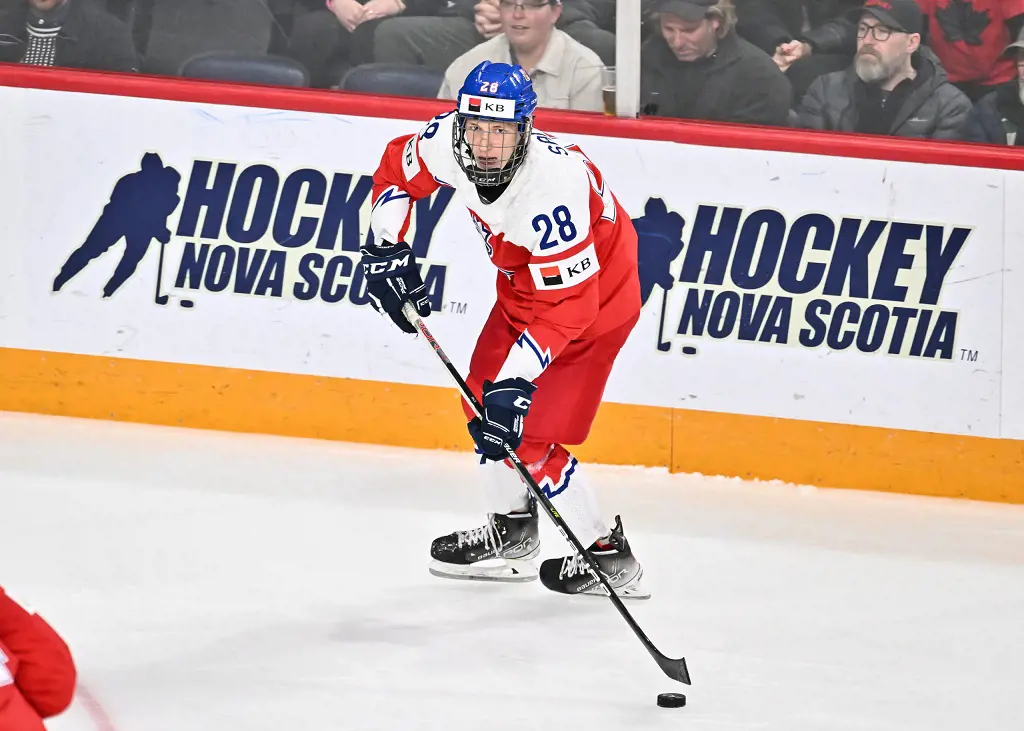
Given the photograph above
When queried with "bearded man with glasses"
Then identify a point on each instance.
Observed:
(894, 87)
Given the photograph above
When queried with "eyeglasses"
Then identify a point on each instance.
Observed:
(878, 32)
(533, 5)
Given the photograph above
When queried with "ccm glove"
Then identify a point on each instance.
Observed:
(392, 279)
(506, 404)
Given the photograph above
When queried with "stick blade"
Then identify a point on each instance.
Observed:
(675, 669)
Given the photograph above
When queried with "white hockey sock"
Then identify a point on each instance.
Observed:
(504, 492)
(563, 480)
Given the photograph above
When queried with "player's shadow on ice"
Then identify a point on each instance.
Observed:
(470, 608)
(388, 640)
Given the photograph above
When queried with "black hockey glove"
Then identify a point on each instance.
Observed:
(506, 404)
(392, 279)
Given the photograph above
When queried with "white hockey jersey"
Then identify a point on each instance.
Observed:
(564, 248)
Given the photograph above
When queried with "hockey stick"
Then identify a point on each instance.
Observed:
(663, 346)
(160, 298)
(675, 669)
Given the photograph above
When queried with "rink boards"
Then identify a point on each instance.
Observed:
(819, 309)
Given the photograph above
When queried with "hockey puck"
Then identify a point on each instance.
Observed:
(671, 700)
(186, 303)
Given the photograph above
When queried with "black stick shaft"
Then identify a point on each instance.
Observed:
(662, 345)
(675, 669)
(160, 298)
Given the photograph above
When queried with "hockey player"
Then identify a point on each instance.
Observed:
(37, 673)
(568, 295)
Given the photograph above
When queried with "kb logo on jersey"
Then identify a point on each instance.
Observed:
(577, 269)
(568, 272)
(552, 276)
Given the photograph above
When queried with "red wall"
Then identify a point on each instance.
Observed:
(697, 133)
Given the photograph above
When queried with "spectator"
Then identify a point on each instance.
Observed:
(696, 67)
(566, 74)
(969, 37)
(437, 35)
(456, 26)
(592, 23)
(806, 38)
(999, 117)
(329, 41)
(894, 86)
(65, 33)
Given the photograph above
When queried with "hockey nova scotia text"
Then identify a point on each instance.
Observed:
(255, 231)
(813, 280)
(757, 275)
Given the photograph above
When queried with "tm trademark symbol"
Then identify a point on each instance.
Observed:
(969, 355)
(457, 308)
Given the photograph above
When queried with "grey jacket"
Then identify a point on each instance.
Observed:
(935, 109)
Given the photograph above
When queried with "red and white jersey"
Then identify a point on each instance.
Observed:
(35, 658)
(565, 249)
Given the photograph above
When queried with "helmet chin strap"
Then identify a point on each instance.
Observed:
(494, 172)
(490, 192)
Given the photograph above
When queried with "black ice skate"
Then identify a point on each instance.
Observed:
(571, 575)
(502, 549)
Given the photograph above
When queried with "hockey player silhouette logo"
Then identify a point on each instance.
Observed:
(660, 235)
(660, 240)
(137, 212)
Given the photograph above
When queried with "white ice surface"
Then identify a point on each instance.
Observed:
(233, 582)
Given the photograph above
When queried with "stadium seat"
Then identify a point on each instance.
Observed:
(394, 79)
(181, 29)
(249, 68)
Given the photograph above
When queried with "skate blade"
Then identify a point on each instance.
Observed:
(510, 570)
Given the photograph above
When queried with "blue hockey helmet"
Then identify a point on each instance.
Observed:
(494, 92)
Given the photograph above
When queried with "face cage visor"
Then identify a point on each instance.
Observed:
(466, 160)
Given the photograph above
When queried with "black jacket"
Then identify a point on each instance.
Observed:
(934, 108)
(89, 38)
(601, 12)
(994, 113)
(767, 23)
(739, 83)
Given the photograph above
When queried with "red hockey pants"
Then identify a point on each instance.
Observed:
(568, 392)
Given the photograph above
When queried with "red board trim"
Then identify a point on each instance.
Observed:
(694, 133)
